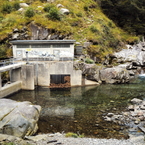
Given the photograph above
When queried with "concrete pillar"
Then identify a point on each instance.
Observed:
(0, 81)
(27, 74)
(15, 75)
(76, 78)
(43, 75)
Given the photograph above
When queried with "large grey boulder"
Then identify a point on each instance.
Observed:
(114, 75)
(18, 118)
(23, 5)
(134, 53)
(64, 11)
(91, 71)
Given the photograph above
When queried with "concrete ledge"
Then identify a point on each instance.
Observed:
(12, 66)
(89, 82)
(9, 89)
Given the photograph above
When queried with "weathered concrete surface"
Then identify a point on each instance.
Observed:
(60, 68)
(27, 73)
(15, 75)
(43, 74)
(9, 89)
(76, 78)
(18, 118)
(13, 66)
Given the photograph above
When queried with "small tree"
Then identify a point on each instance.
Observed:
(16, 5)
(48, 7)
(6, 8)
(29, 12)
(53, 14)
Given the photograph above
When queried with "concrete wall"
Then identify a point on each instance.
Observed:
(42, 52)
(61, 68)
(9, 89)
(27, 77)
(15, 75)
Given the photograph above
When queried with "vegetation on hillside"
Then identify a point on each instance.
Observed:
(128, 14)
(85, 22)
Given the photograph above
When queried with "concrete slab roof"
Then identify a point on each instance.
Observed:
(42, 41)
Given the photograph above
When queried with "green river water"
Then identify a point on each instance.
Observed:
(80, 109)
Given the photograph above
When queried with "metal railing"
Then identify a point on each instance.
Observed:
(48, 59)
(7, 62)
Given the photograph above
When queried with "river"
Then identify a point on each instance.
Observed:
(80, 109)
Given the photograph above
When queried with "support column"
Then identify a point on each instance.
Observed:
(27, 74)
(0, 81)
(15, 75)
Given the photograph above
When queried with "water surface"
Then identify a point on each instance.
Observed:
(80, 109)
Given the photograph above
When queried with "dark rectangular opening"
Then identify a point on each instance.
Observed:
(60, 80)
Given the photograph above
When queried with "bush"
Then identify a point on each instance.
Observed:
(29, 12)
(9, 21)
(3, 51)
(79, 14)
(94, 29)
(1, 18)
(86, 8)
(16, 5)
(89, 61)
(6, 8)
(48, 7)
(43, 0)
(53, 14)
(71, 134)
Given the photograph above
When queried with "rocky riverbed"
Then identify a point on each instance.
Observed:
(60, 139)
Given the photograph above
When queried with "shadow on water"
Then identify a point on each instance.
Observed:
(80, 109)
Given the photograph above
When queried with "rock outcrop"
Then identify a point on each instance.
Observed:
(18, 118)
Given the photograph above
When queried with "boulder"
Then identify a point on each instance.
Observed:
(64, 11)
(23, 5)
(134, 54)
(136, 101)
(59, 5)
(18, 118)
(114, 75)
(91, 71)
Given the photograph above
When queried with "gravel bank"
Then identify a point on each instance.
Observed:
(59, 139)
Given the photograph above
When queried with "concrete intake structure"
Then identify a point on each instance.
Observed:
(26, 76)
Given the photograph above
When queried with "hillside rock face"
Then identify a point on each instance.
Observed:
(37, 33)
(18, 118)
(134, 54)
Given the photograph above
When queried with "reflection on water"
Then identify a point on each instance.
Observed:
(80, 109)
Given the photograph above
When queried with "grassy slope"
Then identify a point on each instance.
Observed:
(86, 22)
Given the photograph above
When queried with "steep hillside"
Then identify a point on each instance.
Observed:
(81, 20)
(128, 14)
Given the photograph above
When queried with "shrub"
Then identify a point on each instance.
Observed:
(29, 12)
(53, 14)
(86, 8)
(1, 18)
(2, 51)
(71, 134)
(88, 60)
(43, 0)
(94, 29)
(9, 21)
(79, 14)
(16, 5)
(48, 7)
(6, 8)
